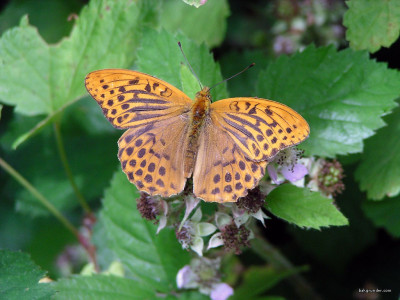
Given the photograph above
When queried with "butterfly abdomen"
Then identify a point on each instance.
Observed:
(198, 114)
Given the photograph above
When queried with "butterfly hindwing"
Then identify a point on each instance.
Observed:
(129, 98)
(259, 127)
(152, 156)
(222, 172)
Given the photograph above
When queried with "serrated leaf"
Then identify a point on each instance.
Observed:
(43, 79)
(104, 255)
(379, 170)
(304, 208)
(353, 239)
(190, 86)
(19, 278)
(151, 259)
(342, 95)
(161, 57)
(257, 280)
(101, 287)
(204, 24)
(384, 214)
(372, 24)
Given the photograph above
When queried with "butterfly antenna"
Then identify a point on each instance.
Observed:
(191, 69)
(245, 69)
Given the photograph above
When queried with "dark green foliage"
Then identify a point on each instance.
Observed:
(348, 99)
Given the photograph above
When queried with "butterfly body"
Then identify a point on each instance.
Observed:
(225, 145)
(198, 114)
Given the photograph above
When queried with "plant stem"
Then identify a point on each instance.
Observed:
(272, 255)
(13, 173)
(90, 249)
(63, 156)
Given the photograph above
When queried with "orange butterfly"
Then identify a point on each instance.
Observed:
(224, 145)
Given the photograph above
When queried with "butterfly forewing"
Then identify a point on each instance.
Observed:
(259, 127)
(152, 151)
(130, 98)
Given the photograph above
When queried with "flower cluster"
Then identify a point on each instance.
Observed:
(326, 176)
(299, 22)
(230, 226)
(153, 209)
(203, 274)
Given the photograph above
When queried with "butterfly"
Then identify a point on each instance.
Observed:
(224, 145)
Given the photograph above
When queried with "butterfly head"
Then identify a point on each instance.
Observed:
(204, 94)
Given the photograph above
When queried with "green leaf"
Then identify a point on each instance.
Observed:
(342, 95)
(257, 280)
(101, 287)
(353, 239)
(384, 214)
(189, 295)
(204, 24)
(19, 232)
(19, 278)
(379, 170)
(303, 207)
(151, 259)
(372, 24)
(161, 57)
(104, 255)
(42, 79)
(190, 85)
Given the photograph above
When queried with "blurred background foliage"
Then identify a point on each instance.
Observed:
(340, 260)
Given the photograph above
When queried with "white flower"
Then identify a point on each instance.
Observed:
(221, 291)
(289, 167)
(186, 278)
(191, 232)
(215, 241)
(163, 219)
(203, 274)
(191, 203)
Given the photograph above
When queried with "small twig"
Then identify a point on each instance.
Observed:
(13, 173)
(63, 157)
(90, 219)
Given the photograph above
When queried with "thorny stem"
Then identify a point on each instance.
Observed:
(13, 173)
(63, 156)
(272, 255)
(88, 222)
(90, 249)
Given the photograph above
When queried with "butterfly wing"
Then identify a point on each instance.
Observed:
(152, 156)
(259, 127)
(238, 139)
(152, 150)
(222, 172)
(130, 99)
